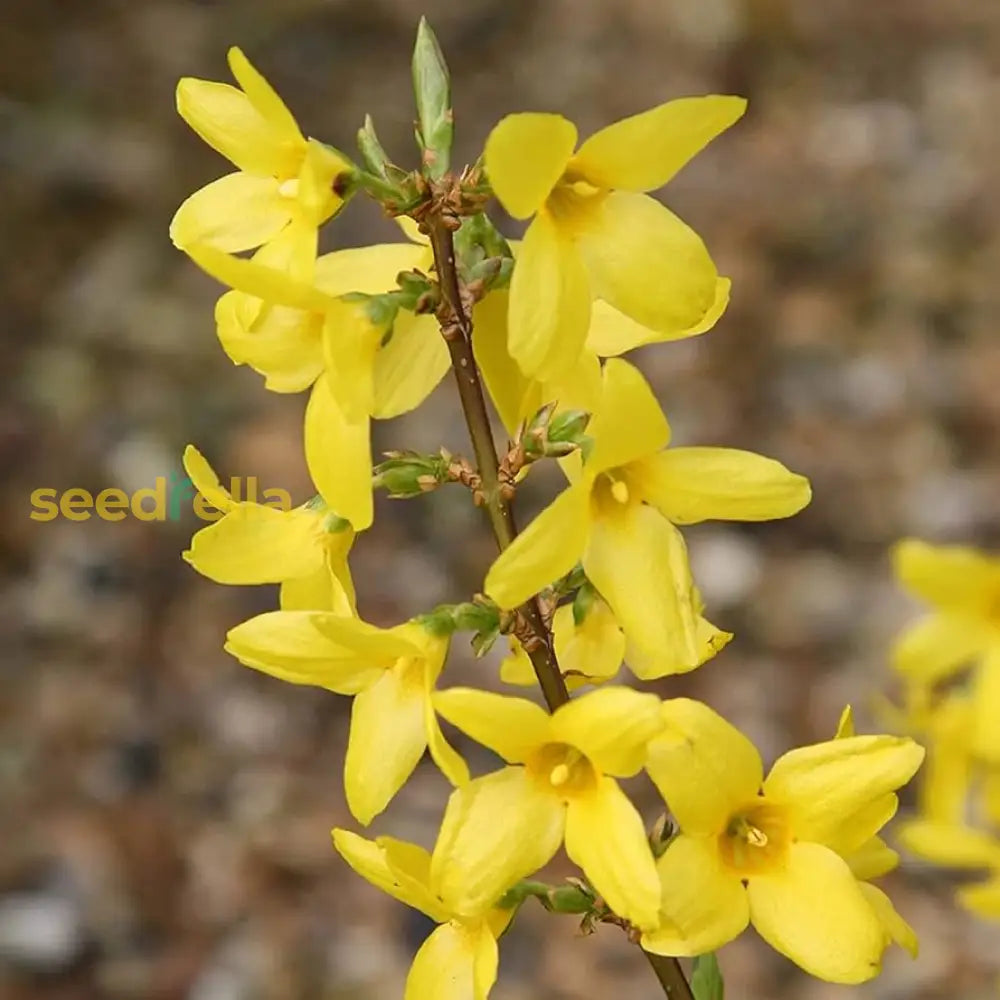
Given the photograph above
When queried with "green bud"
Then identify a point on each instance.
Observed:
(568, 426)
(409, 474)
(432, 89)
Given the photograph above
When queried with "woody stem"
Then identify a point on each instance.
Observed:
(456, 327)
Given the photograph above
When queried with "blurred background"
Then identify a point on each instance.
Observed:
(164, 831)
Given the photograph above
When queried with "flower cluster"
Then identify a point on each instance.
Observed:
(949, 664)
(599, 578)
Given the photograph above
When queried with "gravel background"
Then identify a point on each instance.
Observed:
(164, 830)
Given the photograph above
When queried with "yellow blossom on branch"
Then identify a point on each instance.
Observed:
(593, 233)
(767, 850)
(459, 959)
(282, 176)
(559, 785)
(619, 517)
(391, 673)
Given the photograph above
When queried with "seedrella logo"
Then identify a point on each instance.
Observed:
(167, 499)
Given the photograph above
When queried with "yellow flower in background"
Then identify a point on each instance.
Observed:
(963, 588)
(303, 321)
(282, 176)
(304, 549)
(559, 785)
(391, 673)
(619, 517)
(593, 233)
(458, 960)
(771, 851)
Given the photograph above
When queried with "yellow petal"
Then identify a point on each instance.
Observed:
(320, 591)
(227, 120)
(827, 783)
(985, 735)
(284, 345)
(292, 646)
(259, 280)
(638, 562)
(236, 212)
(593, 650)
(387, 739)
(264, 98)
(858, 828)
(487, 960)
(612, 332)
(409, 367)
(644, 151)
(606, 838)
(371, 270)
(689, 485)
(338, 453)
(525, 155)
(204, 479)
(895, 927)
(647, 263)
(937, 645)
(873, 859)
(510, 727)
(515, 667)
(950, 844)
(948, 771)
(496, 830)
(629, 423)
(704, 767)
(549, 310)
(253, 544)
(982, 899)
(702, 907)
(841, 940)
(948, 576)
(504, 381)
(547, 549)
(318, 195)
(612, 727)
(405, 878)
(445, 966)
(350, 342)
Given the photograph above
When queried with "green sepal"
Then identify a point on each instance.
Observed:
(706, 980)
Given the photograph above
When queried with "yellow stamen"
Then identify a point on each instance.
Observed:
(619, 490)
(289, 188)
(559, 775)
(755, 837)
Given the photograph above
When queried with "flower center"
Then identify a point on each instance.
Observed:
(756, 838)
(562, 769)
(574, 202)
(612, 493)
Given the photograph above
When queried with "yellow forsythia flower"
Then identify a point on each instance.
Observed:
(391, 672)
(282, 176)
(560, 785)
(963, 588)
(290, 316)
(459, 959)
(771, 851)
(304, 549)
(594, 235)
(619, 517)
